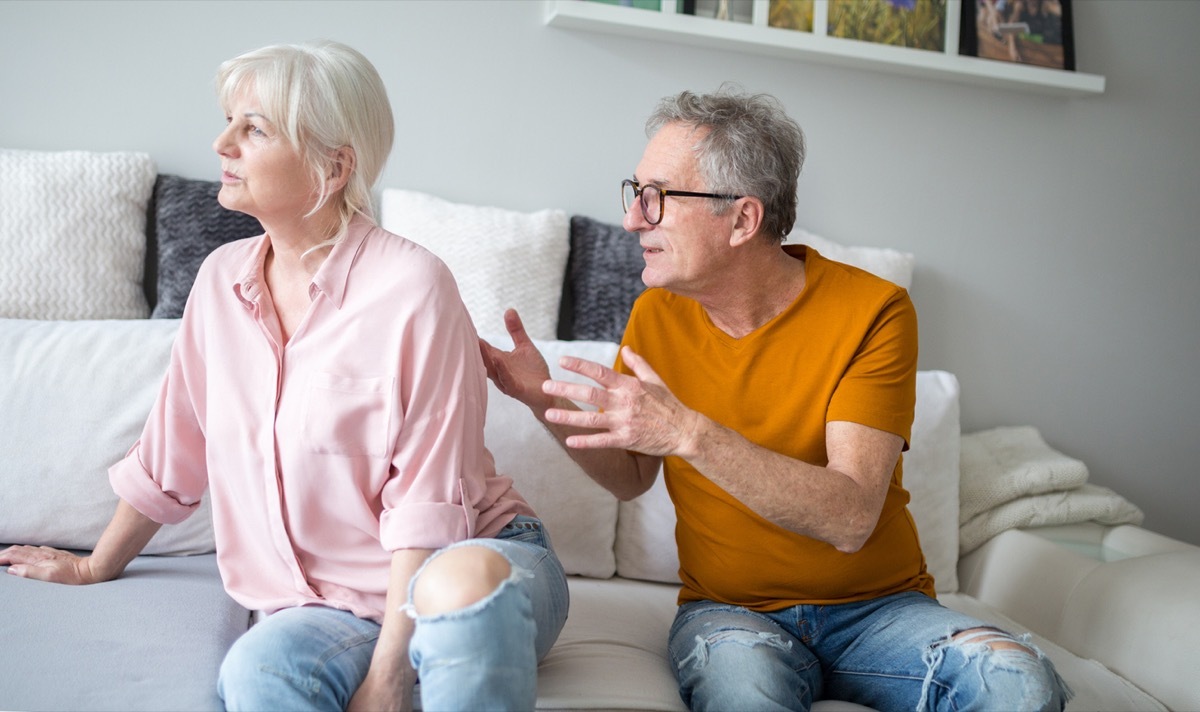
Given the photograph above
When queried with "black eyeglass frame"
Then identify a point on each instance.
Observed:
(638, 189)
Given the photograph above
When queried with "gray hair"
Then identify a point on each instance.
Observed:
(752, 147)
(323, 97)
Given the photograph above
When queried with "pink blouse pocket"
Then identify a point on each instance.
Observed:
(347, 415)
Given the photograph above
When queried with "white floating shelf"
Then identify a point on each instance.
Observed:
(805, 46)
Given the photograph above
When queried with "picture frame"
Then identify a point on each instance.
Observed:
(1034, 32)
(915, 24)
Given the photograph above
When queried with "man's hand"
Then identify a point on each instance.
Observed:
(46, 564)
(639, 412)
(521, 372)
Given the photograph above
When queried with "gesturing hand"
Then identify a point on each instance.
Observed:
(521, 372)
(46, 564)
(637, 413)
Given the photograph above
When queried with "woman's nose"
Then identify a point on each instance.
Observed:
(221, 144)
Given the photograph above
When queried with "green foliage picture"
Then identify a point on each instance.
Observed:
(920, 24)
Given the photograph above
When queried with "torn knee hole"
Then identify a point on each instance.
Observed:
(993, 638)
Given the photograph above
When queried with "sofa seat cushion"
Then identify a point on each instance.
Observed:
(153, 639)
(612, 654)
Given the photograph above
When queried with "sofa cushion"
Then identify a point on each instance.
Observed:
(73, 234)
(645, 543)
(500, 258)
(152, 639)
(189, 223)
(83, 390)
(580, 514)
(604, 277)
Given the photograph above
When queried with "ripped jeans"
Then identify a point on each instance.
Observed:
(897, 652)
(483, 657)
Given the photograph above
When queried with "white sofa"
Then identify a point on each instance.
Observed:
(1113, 605)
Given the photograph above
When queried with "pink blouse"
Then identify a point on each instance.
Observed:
(363, 435)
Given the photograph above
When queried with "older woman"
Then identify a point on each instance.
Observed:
(326, 387)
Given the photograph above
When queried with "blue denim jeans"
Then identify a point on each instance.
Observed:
(482, 657)
(898, 652)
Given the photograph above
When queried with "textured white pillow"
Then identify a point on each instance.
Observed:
(73, 234)
(76, 395)
(931, 474)
(500, 258)
(580, 514)
(892, 265)
(646, 526)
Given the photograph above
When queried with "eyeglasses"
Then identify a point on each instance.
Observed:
(653, 198)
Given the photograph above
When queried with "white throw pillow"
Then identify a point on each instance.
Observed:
(73, 234)
(76, 395)
(580, 515)
(500, 258)
(646, 526)
(892, 265)
(931, 474)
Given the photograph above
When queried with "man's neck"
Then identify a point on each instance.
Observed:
(758, 290)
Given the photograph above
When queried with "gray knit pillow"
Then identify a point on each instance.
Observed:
(190, 223)
(604, 277)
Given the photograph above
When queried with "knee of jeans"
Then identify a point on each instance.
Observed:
(1004, 670)
(457, 578)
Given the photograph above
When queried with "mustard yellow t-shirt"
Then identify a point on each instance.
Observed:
(845, 349)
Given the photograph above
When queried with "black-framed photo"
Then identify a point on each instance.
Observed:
(1036, 32)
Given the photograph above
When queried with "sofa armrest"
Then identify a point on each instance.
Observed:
(1139, 616)
(1130, 604)
(1026, 577)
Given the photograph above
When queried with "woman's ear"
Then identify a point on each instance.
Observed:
(341, 168)
(747, 221)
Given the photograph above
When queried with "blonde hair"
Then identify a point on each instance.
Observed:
(322, 97)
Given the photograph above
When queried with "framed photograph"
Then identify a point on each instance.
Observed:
(919, 24)
(1036, 32)
(729, 10)
(791, 15)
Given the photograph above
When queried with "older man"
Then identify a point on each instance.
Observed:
(776, 389)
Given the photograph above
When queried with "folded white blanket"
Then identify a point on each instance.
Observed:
(1011, 478)
(1002, 464)
(1086, 503)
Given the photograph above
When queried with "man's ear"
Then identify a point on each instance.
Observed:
(748, 220)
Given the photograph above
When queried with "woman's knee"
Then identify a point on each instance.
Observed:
(459, 577)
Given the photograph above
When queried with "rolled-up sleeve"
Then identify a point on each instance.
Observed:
(164, 474)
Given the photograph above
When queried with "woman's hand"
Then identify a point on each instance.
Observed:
(521, 372)
(46, 564)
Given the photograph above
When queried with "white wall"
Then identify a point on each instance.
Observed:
(1056, 238)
